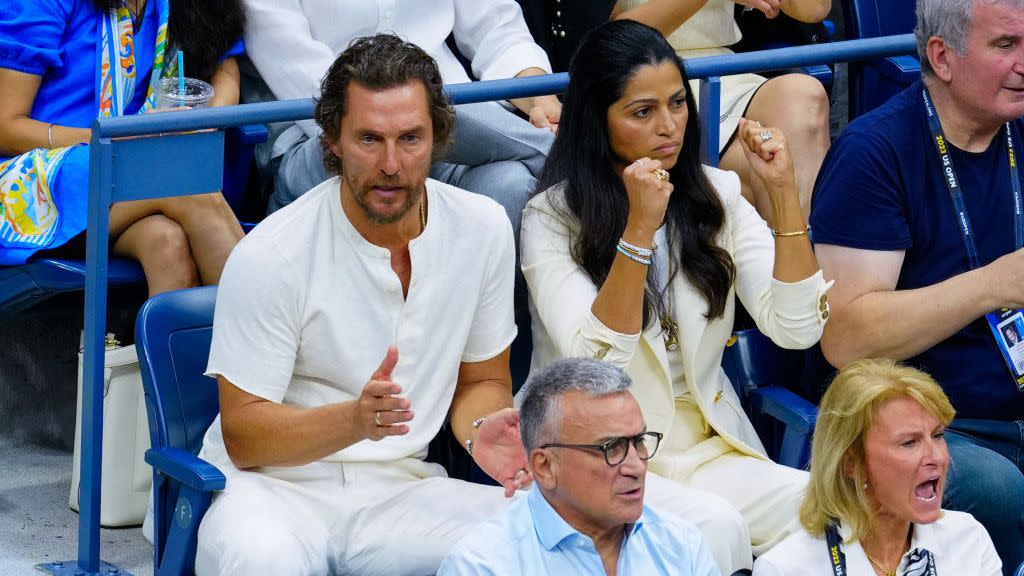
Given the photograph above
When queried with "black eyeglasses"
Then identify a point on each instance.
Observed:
(616, 449)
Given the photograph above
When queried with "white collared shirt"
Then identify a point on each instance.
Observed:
(293, 43)
(960, 545)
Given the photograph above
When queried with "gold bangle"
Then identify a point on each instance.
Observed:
(790, 234)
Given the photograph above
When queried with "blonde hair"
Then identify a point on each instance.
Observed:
(838, 471)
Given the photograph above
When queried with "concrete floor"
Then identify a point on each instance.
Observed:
(36, 524)
(38, 381)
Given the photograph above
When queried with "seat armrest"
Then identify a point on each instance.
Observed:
(186, 468)
(902, 69)
(785, 406)
(251, 133)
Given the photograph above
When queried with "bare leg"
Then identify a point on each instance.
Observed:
(798, 105)
(207, 221)
(162, 248)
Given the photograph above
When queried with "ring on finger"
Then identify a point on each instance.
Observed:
(662, 174)
(766, 135)
(639, 161)
(376, 418)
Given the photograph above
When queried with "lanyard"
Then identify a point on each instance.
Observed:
(836, 556)
(953, 184)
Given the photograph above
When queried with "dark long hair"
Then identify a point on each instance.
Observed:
(595, 196)
(203, 29)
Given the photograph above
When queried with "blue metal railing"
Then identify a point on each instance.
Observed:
(103, 176)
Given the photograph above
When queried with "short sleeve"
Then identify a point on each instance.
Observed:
(858, 200)
(237, 49)
(494, 327)
(255, 325)
(30, 35)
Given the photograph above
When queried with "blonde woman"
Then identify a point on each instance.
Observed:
(878, 469)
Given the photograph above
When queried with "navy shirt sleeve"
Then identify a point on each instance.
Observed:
(858, 200)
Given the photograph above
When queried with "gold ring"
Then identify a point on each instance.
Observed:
(376, 418)
(662, 174)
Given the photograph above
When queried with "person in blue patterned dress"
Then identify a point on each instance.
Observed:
(64, 63)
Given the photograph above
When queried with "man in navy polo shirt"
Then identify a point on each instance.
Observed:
(916, 215)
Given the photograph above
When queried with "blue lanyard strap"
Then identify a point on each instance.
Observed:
(836, 556)
(953, 184)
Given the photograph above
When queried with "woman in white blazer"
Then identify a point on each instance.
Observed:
(633, 252)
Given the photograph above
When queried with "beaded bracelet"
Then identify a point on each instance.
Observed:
(638, 259)
(641, 252)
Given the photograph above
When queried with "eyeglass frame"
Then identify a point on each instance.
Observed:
(605, 446)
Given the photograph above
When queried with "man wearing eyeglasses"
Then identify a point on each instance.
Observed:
(588, 448)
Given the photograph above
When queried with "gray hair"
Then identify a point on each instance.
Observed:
(540, 408)
(949, 20)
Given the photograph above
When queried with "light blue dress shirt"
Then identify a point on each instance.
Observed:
(531, 538)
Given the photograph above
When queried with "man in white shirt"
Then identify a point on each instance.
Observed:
(588, 449)
(321, 441)
(495, 152)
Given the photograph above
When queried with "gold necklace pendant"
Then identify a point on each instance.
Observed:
(670, 333)
(882, 568)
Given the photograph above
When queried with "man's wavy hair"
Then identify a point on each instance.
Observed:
(380, 62)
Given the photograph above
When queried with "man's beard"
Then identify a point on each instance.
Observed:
(361, 194)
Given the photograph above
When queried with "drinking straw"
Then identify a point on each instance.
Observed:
(181, 73)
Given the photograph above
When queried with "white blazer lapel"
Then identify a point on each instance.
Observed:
(652, 338)
(689, 308)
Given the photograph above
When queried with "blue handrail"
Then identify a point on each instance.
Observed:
(711, 66)
(102, 194)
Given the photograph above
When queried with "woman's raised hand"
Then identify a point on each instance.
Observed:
(648, 188)
(767, 153)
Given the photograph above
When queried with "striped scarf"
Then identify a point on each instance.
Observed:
(919, 562)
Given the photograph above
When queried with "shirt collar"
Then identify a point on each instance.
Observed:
(552, 529)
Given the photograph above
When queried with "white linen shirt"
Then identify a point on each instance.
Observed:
(307, 308)
(960, 545)
(294, 42)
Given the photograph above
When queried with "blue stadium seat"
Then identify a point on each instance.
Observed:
(759, 370)
(172, 337)
(873, 82)
(25, 285)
